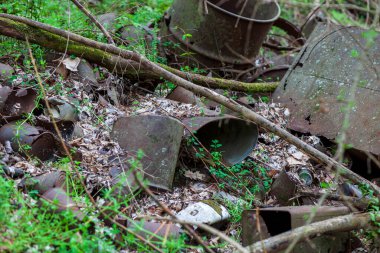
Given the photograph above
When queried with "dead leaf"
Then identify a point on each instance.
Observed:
(194, 175)
(71, 64)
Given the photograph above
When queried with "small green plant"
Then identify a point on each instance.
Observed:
(374, 209)
(245, 178)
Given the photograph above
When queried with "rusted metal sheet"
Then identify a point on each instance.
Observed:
(278, 220)
(219, 33)
(283, 188)
(237, 137)
(14, 102)
(182, 95)
(159, 137)
(319, 83)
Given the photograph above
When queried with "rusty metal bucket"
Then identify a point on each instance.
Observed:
(39, 144)
(220, 33)
(159, 137)
(237, 137)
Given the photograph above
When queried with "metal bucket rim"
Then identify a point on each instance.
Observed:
(249, 19)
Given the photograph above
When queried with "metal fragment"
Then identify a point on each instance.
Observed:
(60, 198)
(159, 137)
(17, 102)
(182, 95)
(44, 182)
(237, 137)
(278, 220)
(283, 188)
(320, 81)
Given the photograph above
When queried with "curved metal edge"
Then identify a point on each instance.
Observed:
(249, 19)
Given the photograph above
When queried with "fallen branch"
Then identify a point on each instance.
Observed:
(219, 83)
(338, 224)
(361, 204)
(20, 28)
(113, 58)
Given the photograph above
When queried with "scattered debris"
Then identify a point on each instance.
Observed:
(154, 230)
(71, 63)
(62, 110)
(182, 95)
(12, 172)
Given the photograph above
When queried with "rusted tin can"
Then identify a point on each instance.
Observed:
(28, 140)
(219, 33)
(237, 137)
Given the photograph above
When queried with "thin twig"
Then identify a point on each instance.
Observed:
(93, 19)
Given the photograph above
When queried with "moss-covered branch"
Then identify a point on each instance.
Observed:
(107, 56)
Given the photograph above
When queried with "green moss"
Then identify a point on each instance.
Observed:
(215, 205)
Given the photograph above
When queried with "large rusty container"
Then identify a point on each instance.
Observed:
(219, 33)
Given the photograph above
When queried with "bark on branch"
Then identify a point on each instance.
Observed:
(110, 55)
(119, 61)
(338, 224)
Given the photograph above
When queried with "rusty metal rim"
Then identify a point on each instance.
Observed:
(206, 53)
(248, 19)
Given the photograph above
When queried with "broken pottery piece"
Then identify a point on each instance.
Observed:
(208, 212)
(63, 110)
(123, 183)
(107, 20)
